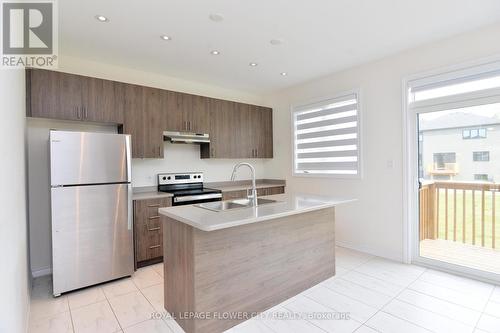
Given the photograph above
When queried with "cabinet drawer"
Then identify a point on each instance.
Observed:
(148, 229)
(149, 240)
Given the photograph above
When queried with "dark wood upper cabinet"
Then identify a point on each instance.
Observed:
(224, 125)
(261, 136)
(236, 130)
(239, 130)
(153, 123)
(53, 95)
(143, 120)
(186, 113)
(103, 100)
(133, 114)
(174, 113)
(266, 148)
(199, 115)
(66, 96)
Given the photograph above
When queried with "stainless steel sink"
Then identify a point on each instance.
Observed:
(219, 206)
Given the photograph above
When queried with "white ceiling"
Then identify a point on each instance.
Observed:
(320, 36)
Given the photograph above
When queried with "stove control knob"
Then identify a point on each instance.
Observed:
(169, 177)
(164, 178)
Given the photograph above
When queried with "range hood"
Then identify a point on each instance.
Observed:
(185, 137)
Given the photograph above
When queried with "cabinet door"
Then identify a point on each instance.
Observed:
(148, 229)
(54, 95)
(247, 135)
(133, 118)
(103, 100)
(224, 125)
(199, 114)
(265, 143)
(42, 93)
(71, 88)
(153, 130)
(174, 109)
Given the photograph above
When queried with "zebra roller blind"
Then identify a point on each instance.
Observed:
(326, 137)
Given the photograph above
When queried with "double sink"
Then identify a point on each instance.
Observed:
(219, 206)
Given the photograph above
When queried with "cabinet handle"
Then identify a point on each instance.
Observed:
(78, 113)
(256, 152)
(154, 229)
(189, 125)
(154, 205)
(159, 150)
(154, 246)
(86, 112)
(154, 217)
(184, 125)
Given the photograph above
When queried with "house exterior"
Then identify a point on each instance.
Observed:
(460, 146)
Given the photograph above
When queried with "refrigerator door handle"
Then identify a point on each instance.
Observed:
(128, 154)
(130, 207)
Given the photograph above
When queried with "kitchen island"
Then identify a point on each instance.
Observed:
(224, 267)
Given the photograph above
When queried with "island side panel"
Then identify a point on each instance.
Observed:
(251, 268)
(178, 270)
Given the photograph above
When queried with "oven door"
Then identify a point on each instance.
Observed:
(195, 199)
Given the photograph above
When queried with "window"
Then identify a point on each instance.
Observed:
(474, 83)
(441, 159)
(481, 156)
(475, 133)
(468, 86)
(481, 177)
(326, 137)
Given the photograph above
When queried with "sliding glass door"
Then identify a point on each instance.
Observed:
(456, 149)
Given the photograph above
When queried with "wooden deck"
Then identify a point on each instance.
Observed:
(477, 257)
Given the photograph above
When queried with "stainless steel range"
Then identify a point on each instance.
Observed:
(187, 188)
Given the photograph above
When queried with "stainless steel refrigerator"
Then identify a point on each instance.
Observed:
(91, 209)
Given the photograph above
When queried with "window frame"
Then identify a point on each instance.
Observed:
(481, 180)
(480, 153)
(359, 129)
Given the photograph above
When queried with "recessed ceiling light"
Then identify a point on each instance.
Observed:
(284, 73)
(215, 52)
(101, 18)
(253, 64)
(165, 37)
(216, 17)
(276, 41)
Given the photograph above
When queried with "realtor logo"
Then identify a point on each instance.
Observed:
(29, 34)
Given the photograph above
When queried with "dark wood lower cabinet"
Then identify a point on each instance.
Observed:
(263, 191)
(237, 130)
(148, 231)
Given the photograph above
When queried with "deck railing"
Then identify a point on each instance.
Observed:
(459, 211)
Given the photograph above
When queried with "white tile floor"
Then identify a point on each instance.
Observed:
(379, 296)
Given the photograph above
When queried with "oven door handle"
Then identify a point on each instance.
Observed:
(198, 197)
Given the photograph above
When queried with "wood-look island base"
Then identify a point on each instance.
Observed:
(231, 274)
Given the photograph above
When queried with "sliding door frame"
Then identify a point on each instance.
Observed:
(411, 235)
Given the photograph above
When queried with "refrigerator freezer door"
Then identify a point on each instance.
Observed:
(92, 238)
(89, 158)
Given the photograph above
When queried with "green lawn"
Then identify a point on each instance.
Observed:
(468, 217)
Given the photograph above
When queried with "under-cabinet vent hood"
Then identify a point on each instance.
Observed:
(185, 137)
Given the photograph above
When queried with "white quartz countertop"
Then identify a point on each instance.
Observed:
(288, 204)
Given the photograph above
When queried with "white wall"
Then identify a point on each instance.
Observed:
(14, 282)
(178, 158)
(375, 222)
